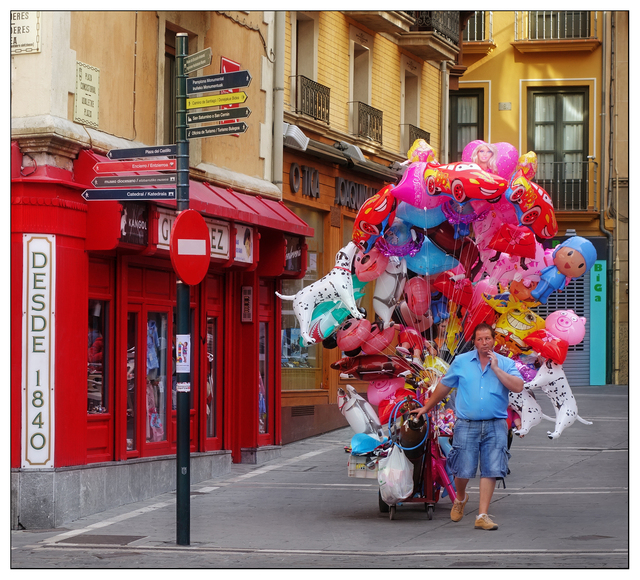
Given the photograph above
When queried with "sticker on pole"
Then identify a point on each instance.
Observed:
(190, 247)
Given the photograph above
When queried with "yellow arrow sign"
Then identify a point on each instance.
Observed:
(217, 100)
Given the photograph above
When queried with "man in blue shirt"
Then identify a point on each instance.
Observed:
(483, 379)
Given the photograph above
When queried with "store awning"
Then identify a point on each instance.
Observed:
(215, 202)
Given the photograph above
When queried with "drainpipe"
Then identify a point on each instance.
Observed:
(610, 293)
(444, 117)
(278, 100)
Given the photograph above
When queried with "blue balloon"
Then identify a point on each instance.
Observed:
(430, 260)
(423, 218)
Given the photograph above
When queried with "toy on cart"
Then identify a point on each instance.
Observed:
(419, 439)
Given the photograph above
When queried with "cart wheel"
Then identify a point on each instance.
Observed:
(392, 512)
(430, 509)
(384, 508)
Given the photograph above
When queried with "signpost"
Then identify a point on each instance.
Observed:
(215, 130)
(150, 165)
(221, 115)
(137, 152)
(197, 60)
(128, 194)
(231, 80)
(217, 100)
(133, 180)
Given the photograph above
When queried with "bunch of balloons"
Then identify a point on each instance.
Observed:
(450, 246)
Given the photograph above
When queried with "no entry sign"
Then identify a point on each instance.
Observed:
(190, 247)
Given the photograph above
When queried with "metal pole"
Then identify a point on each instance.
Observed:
(183, 474)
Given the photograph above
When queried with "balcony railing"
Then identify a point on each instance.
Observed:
(444, 22)
(567, 182)
(367, 121)
(555, 25)
(312, 99)
(479, 27)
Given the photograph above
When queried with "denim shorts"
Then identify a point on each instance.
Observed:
(479, 441)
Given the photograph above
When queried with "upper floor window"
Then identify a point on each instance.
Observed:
(551, 24)
(410, 80)
(558, 132)
(466, 120)
(169, 119)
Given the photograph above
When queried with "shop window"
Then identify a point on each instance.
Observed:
(132, 344)
(98, 357)
(156, 383)
(302, 365)
(212, 377)
(263, 378)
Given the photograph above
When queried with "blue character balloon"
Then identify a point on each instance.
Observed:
(571, 259)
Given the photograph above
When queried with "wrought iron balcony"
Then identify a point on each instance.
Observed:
(444, 22)
(366, 121)
(433, 36)
(542, 30)
(312, 99)
(567, 182)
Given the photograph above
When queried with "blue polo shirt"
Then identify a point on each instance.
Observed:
(480, 394)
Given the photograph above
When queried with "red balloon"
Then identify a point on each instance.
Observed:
(418, 295)
(555, 349)
(514, 240)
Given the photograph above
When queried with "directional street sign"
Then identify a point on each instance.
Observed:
(221, 115)
(135, 152)
(217, 100)
(216, 130)
(148, 165)
(197, 60)
(128, 194)
(219, 82)
(135, 180)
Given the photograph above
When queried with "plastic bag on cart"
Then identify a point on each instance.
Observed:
(395, 476)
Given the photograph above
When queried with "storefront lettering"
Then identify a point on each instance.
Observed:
(308, 177)
(351, 194)
(38, 350)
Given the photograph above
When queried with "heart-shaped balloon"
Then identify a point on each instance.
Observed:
(506, 157)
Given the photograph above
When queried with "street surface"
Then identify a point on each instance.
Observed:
(566, 505)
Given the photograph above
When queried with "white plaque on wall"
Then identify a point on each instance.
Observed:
(25, 31)
(38, 350)
(85, 109)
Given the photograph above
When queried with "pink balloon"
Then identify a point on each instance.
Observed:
(382, 389)
(352, 333)
(412, 188)
(418, 295)
(507, 157)
(566, 324)
(370, 265)
(378, 339)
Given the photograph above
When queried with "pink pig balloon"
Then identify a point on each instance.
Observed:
(566, 324)
(382, 389)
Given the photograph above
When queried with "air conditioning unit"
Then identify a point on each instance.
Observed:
(294, 138)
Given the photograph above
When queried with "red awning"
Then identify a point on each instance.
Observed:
(215, 202)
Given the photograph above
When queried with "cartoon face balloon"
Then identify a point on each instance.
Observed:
(504, 155)
(514, 325)
(566, 324)
(369, 266)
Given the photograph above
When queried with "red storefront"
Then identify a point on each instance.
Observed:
(93, 358)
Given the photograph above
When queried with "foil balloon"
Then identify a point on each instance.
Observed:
(421, 151)
(528, 164)
(533, 206)
(352, 334)
(358, 412)
(371, 265)
(380, 337)
(513, 326)
(373, 218)
(372, 367)
(418, 295)
(462, 249)
(389, 288)
(571, 259)
(548, 346)
(502, 161)
(430, 259)
(404, 316)
(382, 389)
(552, 380)
(422, 218)
(566, 324)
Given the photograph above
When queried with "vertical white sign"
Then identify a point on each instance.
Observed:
(38, 350)
(87, 94)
